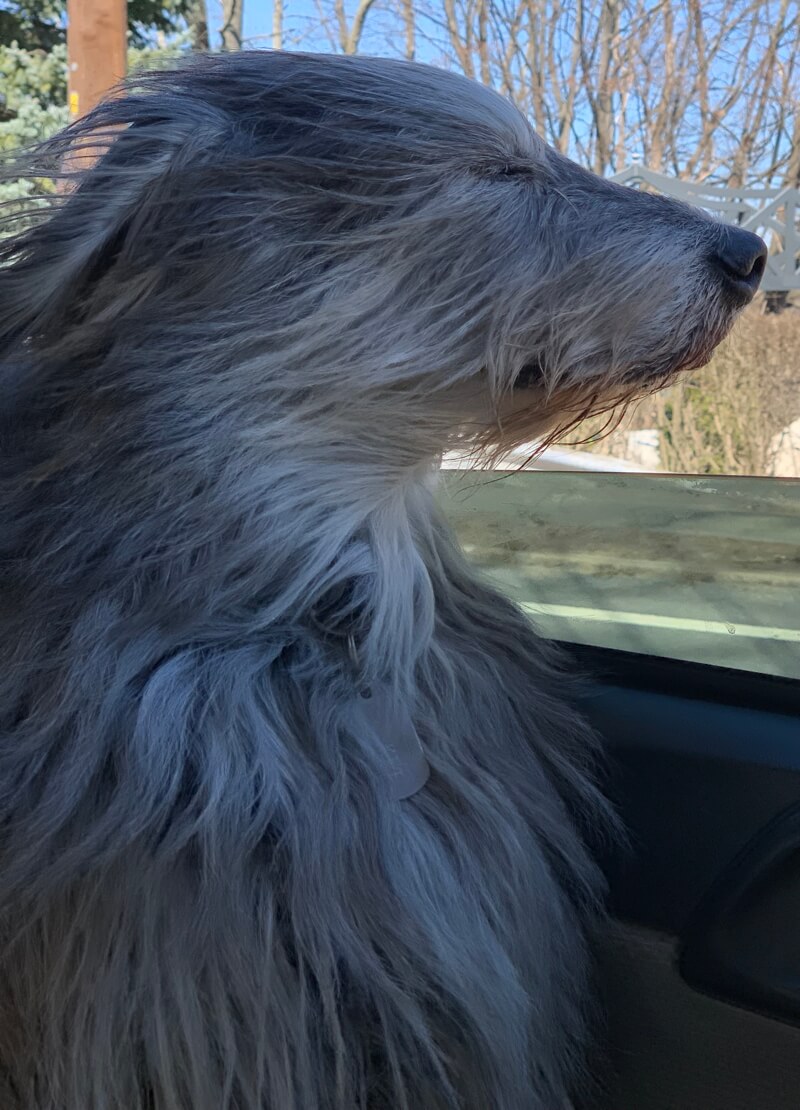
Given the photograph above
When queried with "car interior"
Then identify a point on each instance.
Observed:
(678, 598)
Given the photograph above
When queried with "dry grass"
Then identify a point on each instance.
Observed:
(721, 419)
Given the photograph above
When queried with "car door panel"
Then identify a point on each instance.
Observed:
(700, 971)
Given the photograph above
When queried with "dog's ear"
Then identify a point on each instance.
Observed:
(106, 170)
(47, 266)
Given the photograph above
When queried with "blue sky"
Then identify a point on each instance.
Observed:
(258, 15)
(302, 21)
(300, 15)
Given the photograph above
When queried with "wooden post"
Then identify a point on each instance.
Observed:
(97, 49)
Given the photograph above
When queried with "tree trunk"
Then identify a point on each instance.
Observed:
(231, 32)
(197, 19)
(353, 40)
(604, 110)
(409, 21)
(277, 24)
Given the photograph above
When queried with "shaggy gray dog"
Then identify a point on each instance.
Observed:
(232, 350)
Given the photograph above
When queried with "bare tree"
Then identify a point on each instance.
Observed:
(410, 28)
(350, 30)
(231, 30)
(277, 24)
(694, 88)
(197, 21)
(601, 83)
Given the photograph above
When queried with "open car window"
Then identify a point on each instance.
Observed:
(704, 569)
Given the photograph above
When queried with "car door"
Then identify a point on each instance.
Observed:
(680, 598)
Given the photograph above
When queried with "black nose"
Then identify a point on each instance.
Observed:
(740, 257)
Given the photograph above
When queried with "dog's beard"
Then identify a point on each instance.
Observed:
(548, 401)
(606, 374)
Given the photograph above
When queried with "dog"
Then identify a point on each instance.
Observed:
(297, 812)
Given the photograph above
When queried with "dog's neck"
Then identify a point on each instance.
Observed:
(369, 619)
(376, 590)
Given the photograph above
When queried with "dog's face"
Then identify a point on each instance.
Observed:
(630, 290)
(384, 243)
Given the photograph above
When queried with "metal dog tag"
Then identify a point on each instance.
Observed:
(392, 723)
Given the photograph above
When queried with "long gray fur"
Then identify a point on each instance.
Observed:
(230, 354)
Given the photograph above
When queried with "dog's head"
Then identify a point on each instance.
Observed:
(379, 245)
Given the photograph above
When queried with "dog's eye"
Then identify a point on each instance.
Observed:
(514, 169)
(529, 376)
(503, 169)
